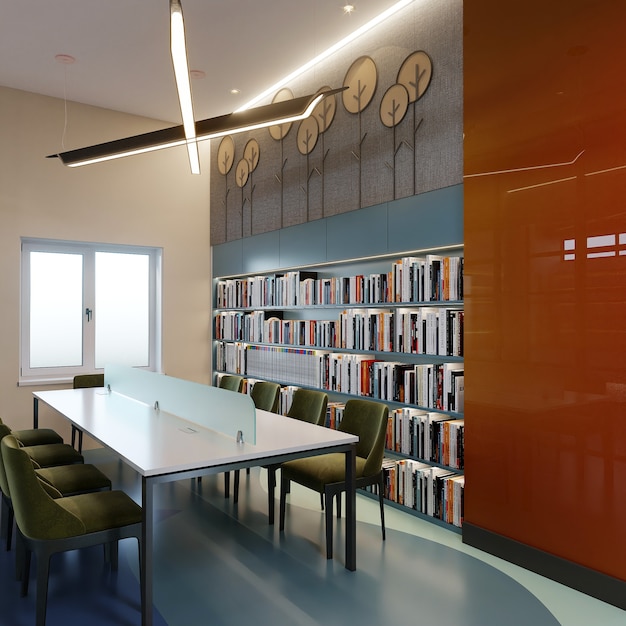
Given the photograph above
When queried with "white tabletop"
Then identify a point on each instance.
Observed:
(155, 442)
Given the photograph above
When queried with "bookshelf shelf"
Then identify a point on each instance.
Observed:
(388, 328)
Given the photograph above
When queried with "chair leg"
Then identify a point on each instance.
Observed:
(20, 558)
(43, 571)
(25, 571)
(339, 505)
(328, 497)
(227, 484)
(271, 493)
(284, 490)
(382, 505)
(322, 501)
(114, 556)
(6, 522)
(236, 487)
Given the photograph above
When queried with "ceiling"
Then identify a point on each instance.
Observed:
(122, 57)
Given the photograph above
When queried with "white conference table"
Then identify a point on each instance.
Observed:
(163, 447)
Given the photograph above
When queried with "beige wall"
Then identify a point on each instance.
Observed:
(148, 200)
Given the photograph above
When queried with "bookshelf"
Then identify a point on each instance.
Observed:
(389, 328)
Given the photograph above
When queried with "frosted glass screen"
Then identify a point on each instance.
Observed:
(224, 411)
(122, 309)
(56, 309)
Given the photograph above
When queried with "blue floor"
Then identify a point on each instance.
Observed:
(221, 564)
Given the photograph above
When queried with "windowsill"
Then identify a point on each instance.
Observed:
(42, 382)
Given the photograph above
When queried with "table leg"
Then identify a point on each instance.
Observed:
(147, 503)
(35, 412)
(351, 509)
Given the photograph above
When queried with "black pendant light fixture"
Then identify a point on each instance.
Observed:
(190, 132)
(252, 119)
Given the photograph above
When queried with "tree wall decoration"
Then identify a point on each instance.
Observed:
(251, 154)
(242, 173)
(225, 160)
(393, 108)
(278, 133)
(415, 75)
(361, 80)
(324, 114)
(308, 132)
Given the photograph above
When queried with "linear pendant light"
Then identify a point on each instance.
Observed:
(229, 124)
(178, 50)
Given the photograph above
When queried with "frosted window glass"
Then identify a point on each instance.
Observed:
(122, 310)
(56, 309)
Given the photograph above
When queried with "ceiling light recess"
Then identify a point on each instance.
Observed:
(230, 124)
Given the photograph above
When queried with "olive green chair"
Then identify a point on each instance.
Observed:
(326, 473)
(266, 396)
(308, 405)
(49, 451)
(47, 526)
(64, 480)
(231, 382)
(84, 381)
(36, 436)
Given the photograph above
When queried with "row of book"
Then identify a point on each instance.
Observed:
(434, 491)
(421, 330)
(428, 385)
(427, 435)
(410, 279)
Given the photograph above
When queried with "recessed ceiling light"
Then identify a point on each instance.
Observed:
(197, 74)
(66, 59)
(348, 8)
(235, 91)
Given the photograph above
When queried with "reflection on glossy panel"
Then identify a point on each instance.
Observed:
(545, 267)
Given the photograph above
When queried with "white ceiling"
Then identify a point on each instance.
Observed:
(122, 52)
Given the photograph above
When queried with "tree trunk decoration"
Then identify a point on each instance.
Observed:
(361, 80)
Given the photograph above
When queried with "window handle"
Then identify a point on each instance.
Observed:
(88, 313)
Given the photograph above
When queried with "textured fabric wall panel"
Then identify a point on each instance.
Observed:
(357, 161)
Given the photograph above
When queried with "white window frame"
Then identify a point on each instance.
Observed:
(62, 374)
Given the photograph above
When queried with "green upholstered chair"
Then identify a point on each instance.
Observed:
(308, 405)
(326, 473)
(59, 481)
(231, 382)
(48, 452)
(84, 381)
(266, 396)
(36, 436)
(43, 455)
(47, 526)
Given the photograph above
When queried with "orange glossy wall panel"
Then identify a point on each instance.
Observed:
(545, 237)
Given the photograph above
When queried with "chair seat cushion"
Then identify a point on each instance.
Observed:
(37, 436)
(52, 454)
(316, 471)
(102, 510)
(74, 479)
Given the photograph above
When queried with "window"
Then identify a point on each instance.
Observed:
(88, 305)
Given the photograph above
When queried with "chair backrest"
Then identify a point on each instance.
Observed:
(4, 485)
(368, 420)
(232, 383)
(266, 396)
(37, 515)
(82, 381)
(309, 406)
